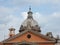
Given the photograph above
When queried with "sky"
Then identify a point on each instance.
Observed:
(14, 12)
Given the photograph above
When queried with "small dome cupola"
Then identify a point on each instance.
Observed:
(30, 23)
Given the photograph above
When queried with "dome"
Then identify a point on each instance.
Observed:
(30, 23)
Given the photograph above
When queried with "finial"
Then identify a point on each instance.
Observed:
(29, 8)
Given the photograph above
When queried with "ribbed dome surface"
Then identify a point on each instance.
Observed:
(32, 22)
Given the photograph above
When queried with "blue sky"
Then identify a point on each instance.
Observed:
(14, 12)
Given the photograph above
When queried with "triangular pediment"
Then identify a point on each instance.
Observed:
(33, 37)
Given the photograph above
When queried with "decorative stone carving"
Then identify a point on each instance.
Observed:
(30, 23)
(49, 34)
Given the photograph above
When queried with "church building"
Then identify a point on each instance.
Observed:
(29, 34)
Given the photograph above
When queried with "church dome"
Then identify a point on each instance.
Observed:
(30, 23)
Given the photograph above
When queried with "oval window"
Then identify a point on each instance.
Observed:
(28, 36)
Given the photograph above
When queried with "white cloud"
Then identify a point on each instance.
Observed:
(24, 15)
(12, 21)
(55, 1)
(5, 10)
(7, 19)
(56, 15)
(34, 2)
(40, 17)
(25, 2)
